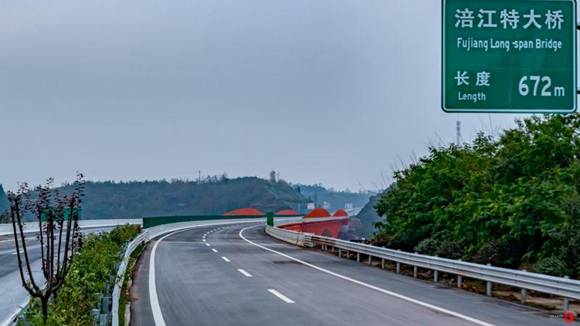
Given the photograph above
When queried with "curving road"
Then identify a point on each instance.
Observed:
(237, 275)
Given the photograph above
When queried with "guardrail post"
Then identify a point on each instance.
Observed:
(524, 296)
(398, 267)
(358, 257)
(435, 276)
(339, 252)
(415, 271)
(523, 293)
(459, 279)
(382, 263)
(370, 260)
(95, 314)
(566, 300)
(488, 287)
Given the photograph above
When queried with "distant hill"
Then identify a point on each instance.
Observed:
(363, 225)
(4, 205)
(337, 199)
(158, 198)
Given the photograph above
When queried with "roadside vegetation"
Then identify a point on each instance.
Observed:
(512, 202)
(93, 271)
(5, 218)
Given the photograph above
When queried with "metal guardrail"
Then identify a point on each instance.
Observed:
(563, 287)
(142, 237)
(32, 227)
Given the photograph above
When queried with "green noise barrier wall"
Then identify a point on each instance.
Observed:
(160, 220)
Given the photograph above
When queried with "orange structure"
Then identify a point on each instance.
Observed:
(320, 222)
(317, 212)
(286, 212)
(245, 212)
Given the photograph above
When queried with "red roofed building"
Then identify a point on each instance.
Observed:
(244, 212)
(318, 212)
(340, 213)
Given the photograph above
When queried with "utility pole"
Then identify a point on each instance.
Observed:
(458, 129)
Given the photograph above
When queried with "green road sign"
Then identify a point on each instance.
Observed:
(509, 56)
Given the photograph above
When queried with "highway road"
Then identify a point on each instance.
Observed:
(237, 275)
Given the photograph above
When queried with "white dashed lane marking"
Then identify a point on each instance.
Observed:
(280, 296)
(246, 274)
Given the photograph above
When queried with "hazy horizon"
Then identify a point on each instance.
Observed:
(331, 92)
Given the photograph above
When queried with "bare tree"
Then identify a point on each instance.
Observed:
(58, 233)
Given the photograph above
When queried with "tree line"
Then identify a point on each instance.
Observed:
(512, 201)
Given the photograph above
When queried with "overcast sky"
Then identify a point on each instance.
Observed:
(330, 91)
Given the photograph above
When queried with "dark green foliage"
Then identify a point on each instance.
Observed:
(84, 284)
(161, 198)
(5, 217)
(4, 204)
(514, 202)
(363, 224)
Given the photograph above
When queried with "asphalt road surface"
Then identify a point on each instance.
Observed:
(237, 275)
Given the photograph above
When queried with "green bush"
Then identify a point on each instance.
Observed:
(512, 202)
(91, 270)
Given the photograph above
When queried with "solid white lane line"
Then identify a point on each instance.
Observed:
(153, 298)
(226, 259)
(214, 250)
(246, 274)
(280, 296)
(372, 287)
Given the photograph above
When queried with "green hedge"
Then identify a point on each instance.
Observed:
(90, 272)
